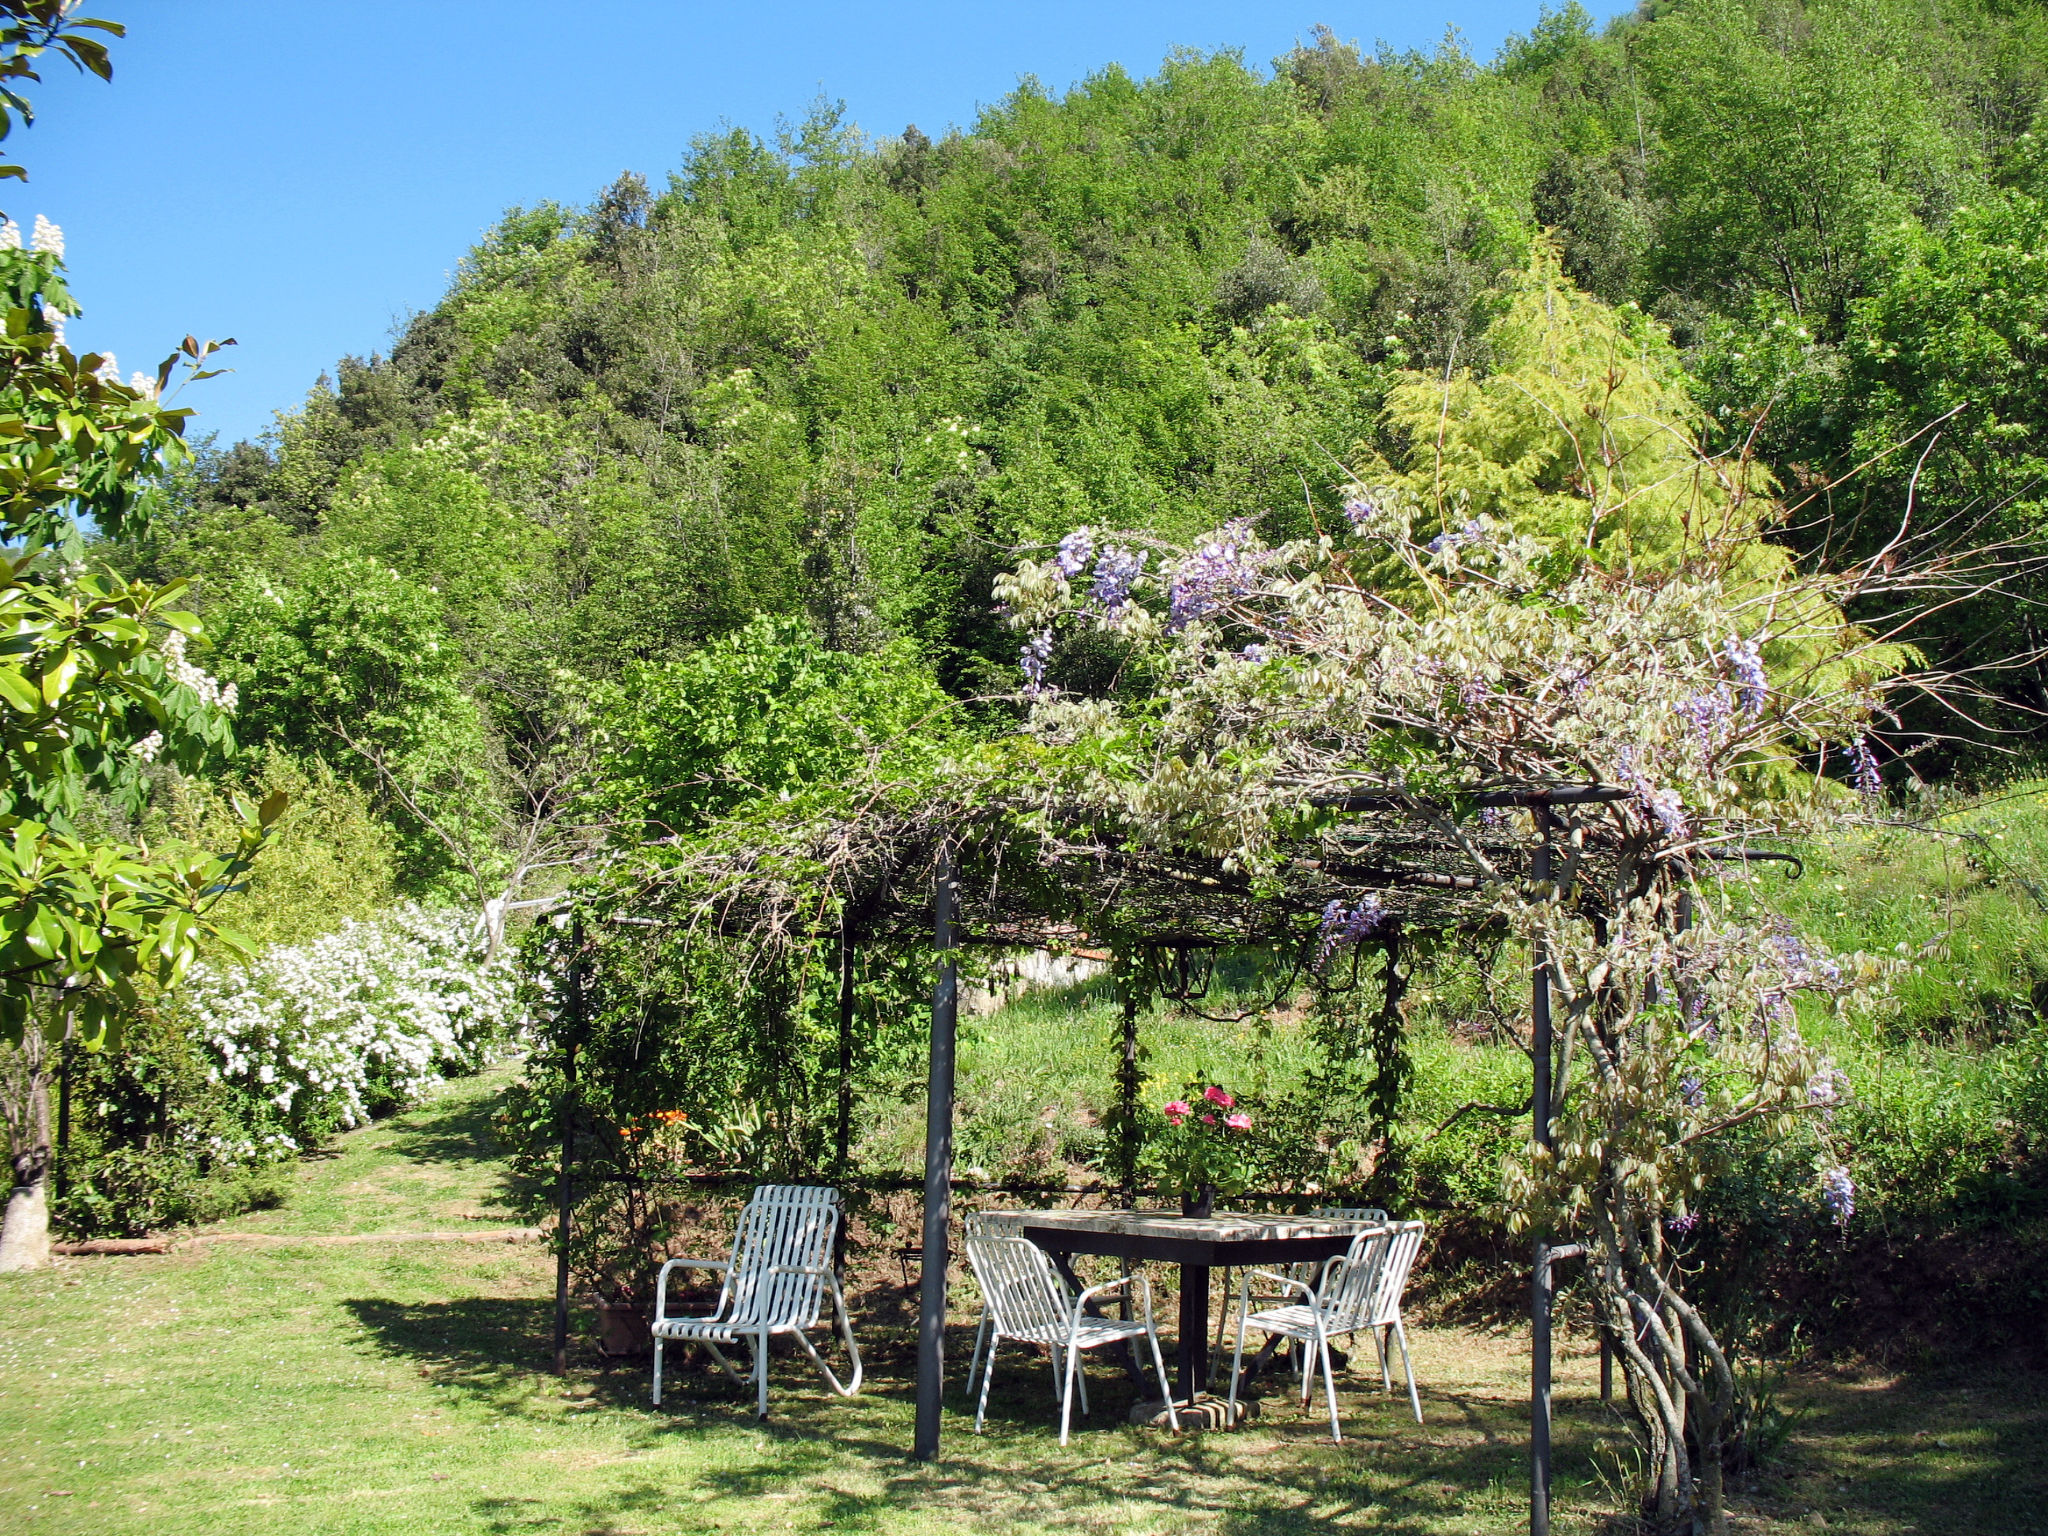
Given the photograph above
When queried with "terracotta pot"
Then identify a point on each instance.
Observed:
(622, 1329)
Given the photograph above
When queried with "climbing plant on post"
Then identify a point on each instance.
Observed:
(1610, 639)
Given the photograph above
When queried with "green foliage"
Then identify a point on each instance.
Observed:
(762, 712)
(329, 859)
(353, 665)
(28, 30)
(93, 681)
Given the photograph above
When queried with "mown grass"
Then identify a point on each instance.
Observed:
(302, 1385)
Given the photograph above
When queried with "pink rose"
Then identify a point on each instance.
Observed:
(1218, 1096)
(1177, 1111)
(1238, 1122)
(1208, 1119)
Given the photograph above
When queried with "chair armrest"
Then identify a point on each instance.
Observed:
(1144, 1283)
(661, 1285)
(1288, 1281)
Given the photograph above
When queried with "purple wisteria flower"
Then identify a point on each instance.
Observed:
(1692, 1090)
(1474, 532)
(1838, 1194)
(1221, 568)
(1033, 658)
(1666, 806)
(1075, 551)
(1116, 571)
(1710, 713)
(1362, 510)
(1340, 927)
(1254, 653)
(1801, 965)
(1748, 666)
(1681, 1226)
(1869, 782)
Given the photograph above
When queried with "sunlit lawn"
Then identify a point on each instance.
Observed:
(365, 1387)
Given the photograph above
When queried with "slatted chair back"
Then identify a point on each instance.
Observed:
(783, 1226)
(993, 1223)
(1348, 1213)
(1350, 1286)
(1020, 1285)
(1404, 1242)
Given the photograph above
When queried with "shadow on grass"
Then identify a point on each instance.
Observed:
(815, 1445)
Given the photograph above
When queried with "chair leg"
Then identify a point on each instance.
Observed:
(1165, 1386)
(974, 1361)
(1081, 1382)
(1379, 1339)
(1414, 1398)
(988, 1370)
(657, 1370)
(1067, 1397)
(1330, 1391)
(761, 1374)
(724, 1364)
(1236, 1369)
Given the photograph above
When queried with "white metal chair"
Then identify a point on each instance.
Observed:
(993, 1224)
(1304, 1271)
(775, 1282)
(1359, 1291)
(1026, 1301)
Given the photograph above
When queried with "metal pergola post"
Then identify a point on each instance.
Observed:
(1539, 1281)
(938, 1167)
(564, 1193)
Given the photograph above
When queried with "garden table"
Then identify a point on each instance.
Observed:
(1197, 1244)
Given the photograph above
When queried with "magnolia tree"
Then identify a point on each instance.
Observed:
(1555, 588)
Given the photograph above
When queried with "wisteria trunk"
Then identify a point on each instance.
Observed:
(1680, 1385)
(25, 1103)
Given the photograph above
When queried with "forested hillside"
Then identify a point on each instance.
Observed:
(846, 376)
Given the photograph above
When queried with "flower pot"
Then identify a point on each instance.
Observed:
(1198, 1202)
(622, 1329)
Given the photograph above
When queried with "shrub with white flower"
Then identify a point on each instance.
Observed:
(380, 1008)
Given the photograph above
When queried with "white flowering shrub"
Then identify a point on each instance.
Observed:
(375, 1011)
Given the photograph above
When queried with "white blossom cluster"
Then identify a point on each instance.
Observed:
(306, 1027)
(181, 671)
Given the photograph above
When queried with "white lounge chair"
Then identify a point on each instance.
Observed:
(1026, 1301)
(1358, 1292)
(775, 1282)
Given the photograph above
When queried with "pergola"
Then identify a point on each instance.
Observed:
(954, 876)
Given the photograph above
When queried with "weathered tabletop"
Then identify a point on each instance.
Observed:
(1197, 1244)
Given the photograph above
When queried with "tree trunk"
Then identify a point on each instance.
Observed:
(25, 1101)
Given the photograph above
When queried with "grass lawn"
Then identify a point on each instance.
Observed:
(304, 1385)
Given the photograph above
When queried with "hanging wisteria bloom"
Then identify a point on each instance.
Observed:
(1747, 664)
(1838, 1194)
(1452, 540)
(1219, 569)
(1341, 928)
(1033, 658)
(1116, 572)
(1711, 713)
(1869, 782)
(1074, 552)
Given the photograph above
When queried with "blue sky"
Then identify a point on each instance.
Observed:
(301, 174)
